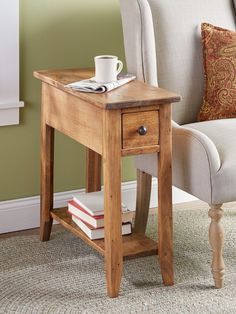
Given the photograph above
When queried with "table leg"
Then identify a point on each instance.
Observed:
(144, 186)
(165, 227)
(112, 200)
(93, 171)
(47, 163)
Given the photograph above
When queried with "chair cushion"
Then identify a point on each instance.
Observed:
(204, 160)
(219, 54)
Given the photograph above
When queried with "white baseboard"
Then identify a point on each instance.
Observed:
(21, 214)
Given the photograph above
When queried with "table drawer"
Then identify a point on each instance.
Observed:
(140, 129)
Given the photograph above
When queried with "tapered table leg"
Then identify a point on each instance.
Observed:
(93, 171)
(47, 164)
(165, 228)
(112, 200)
(144, 186)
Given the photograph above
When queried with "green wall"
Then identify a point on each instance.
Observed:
(55, 34)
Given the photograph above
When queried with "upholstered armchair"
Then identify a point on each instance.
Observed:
(163, 47)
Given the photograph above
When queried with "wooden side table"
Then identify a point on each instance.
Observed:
(133, 119)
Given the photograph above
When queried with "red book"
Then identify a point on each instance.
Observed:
(98, 233)
(95, 221)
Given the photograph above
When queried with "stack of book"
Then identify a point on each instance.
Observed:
(87, 212)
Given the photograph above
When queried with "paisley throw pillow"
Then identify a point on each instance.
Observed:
(219, 54)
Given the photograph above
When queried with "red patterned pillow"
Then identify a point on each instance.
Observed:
(219, 54)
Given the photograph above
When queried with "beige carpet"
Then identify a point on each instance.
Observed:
(64, 275)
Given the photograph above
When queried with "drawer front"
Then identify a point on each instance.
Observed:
(140, 129)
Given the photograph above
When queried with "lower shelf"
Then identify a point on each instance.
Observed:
(134, 245)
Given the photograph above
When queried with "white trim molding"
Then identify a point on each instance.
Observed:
(10, 113)
(21, 214)
(9, 63)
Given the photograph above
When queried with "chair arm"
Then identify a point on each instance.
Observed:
(202, 142)
(195, 162)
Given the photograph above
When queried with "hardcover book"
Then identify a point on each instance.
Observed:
(98, 233)
(96, 221)
(93, 203)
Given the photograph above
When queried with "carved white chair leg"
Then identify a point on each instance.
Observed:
(216, 237)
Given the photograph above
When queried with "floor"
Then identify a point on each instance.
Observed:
(56, 277)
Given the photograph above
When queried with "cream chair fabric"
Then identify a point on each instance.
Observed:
(163, 47)
(162, 41)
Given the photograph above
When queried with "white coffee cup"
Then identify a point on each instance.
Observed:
(106, 68)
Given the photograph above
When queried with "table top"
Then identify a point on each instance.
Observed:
(133, 94)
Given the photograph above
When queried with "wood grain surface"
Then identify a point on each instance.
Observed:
(131, 122)
(132, 94)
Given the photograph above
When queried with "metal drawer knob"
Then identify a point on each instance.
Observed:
(142, 130)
